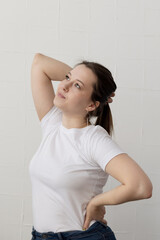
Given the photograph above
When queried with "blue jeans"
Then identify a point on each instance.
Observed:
(97, 231)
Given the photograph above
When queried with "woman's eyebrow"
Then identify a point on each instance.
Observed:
(77, 79)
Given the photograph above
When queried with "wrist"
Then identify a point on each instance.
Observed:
(96, 201)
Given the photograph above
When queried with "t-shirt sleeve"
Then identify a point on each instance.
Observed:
(51, 119)
(103, 148)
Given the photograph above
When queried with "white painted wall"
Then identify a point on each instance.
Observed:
(124, 35)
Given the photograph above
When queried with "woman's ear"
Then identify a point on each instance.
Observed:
(97, 104)
(93, 106)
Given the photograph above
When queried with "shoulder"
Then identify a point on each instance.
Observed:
(95, 135)
(97, 131)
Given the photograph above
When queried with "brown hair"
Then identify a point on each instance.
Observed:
(102, 89)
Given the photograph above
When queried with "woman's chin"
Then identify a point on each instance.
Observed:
(58, 104)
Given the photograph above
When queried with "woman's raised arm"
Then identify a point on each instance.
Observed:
(51, 67)
(43, 70)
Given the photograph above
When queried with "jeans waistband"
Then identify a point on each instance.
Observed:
(51, 234)
(94, 227)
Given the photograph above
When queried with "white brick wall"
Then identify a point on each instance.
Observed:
(124, 35)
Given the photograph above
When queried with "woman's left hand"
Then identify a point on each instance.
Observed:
(94, 212)
(110, 100)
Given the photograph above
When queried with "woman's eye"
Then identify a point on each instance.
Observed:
(78, 85)
(67, 77)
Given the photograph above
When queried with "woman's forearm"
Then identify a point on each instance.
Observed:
(52, 68)
(121, 194)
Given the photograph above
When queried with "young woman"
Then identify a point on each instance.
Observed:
(75, 157)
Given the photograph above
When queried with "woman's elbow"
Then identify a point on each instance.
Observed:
(145, 190)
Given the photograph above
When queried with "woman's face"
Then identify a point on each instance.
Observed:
(77, 89)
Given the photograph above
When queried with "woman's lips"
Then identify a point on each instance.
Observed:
(60, 95)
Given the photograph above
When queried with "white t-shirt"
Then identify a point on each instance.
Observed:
(67, 170)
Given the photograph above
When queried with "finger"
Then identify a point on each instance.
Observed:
(86, 224)
(110, 100)
(112, 94)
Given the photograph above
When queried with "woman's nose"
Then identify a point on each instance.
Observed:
(66, 87)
